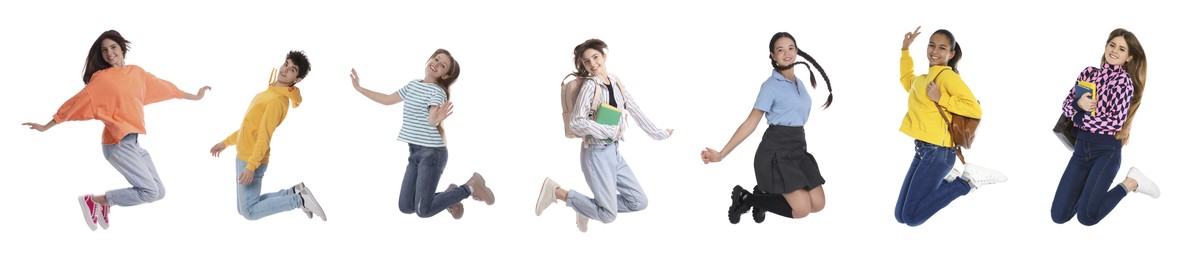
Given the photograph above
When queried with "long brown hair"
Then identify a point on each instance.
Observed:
(454, 71)
(582, 72)
(95, 56)
(1137, 70)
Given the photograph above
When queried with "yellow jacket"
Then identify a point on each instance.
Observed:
(266, 112)
(922, 120)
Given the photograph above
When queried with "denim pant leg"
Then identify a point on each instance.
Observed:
(631, 196)
(429, 166)
(598, 164)
(928, 192)
(138, 168)
(909, 175)
(1098, 200)
(253, 205)
(407, 187)
(1071, 185)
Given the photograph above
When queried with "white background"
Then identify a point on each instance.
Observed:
(694, 67)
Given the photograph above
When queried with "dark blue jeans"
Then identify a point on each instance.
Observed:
(924, 191)
(418, 194)
(1084, 188)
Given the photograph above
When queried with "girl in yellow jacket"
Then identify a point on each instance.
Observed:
(931, 183)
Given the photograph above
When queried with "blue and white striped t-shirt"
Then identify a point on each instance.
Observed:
(417, 98)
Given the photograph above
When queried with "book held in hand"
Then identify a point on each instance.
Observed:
(608, 115)
(1082, 88)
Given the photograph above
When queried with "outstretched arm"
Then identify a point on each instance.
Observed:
(393, 98)
(642, 120)
(745, 129)
(41, 127)
(189, 96)
(907, 62)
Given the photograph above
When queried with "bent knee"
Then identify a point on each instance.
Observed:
(638, 205)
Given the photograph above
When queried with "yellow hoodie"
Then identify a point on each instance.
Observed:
(922, 120)
(266, 112)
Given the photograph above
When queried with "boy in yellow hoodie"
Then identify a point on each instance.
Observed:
(266, 112)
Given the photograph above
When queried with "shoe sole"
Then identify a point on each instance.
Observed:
(540, 205)
(87, 216)
(733, 213)
(318, 210)
(583, 223)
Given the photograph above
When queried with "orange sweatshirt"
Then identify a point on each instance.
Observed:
(266, 112)
(117, 96)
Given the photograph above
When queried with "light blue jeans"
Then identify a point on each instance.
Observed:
(253, 205)
(614, 185)
(135, 164)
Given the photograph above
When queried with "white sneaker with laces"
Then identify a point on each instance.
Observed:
(1145, 185)
(547, 195)
(583, 223)
(978, 176)
(309, 202)
(953, 175)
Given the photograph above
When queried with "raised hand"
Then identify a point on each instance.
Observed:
(909, 38)
(353, 76)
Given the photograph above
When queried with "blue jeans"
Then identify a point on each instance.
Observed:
(615, 188)
(1083, 187)
(135, 164)
(418, 194)
(924, 191)
(254, 205)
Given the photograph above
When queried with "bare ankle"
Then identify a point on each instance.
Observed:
(561, 194)
(1130, 184)
(100, 199)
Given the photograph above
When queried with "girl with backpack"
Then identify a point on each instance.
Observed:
(1101, 129)
(788, 181)
(931, 183)
(615, 187)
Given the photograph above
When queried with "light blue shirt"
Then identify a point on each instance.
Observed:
(784, 102)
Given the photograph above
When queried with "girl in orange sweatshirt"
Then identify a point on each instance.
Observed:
(116, 94)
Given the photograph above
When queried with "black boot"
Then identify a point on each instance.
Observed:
(738, 207)
(757, 212)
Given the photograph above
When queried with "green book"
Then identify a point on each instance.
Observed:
(608, 115)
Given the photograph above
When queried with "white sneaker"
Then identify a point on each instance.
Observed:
(297, 189)
(309, 202)
(583, 222)
(979, 176)
(1145, 186)
(953, 175)
(547, 195)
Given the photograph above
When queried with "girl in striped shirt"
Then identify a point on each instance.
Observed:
(427, 105)
(1102, 127)
(788, 181)
(615, 187)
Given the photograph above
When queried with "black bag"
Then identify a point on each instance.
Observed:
(1065, 130)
